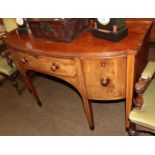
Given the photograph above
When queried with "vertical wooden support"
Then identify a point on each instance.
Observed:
(129, 86)
(86, 103)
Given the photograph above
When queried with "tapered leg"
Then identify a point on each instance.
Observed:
(30, 86)
(129, 87)
(89, 113)
(82, 90)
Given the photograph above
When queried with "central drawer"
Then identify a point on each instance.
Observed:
(51, 65)
(105, 78)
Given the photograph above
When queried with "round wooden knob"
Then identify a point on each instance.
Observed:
(105, 81)
(103, 64)
(54, 67)
(23, 60)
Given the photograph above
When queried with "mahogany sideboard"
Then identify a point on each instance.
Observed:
(98, 69)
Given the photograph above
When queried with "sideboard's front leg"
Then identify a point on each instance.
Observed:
(82, 89)
(89, 113)
(129, 87)
(30, 86)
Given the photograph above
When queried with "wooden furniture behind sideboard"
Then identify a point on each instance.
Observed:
(97, 68)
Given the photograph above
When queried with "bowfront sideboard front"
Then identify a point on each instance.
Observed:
(98, 69)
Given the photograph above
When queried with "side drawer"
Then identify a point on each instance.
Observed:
(52, 65)
(105, 78)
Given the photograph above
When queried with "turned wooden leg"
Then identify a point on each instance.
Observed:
(132, 131)
(30, 87)
(89, 113)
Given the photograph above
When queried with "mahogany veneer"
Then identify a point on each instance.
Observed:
(97, 68)
(152, 37)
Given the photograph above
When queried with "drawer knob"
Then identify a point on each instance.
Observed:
(54, 67)
(105, 81)
(103, 64)
(23, 60)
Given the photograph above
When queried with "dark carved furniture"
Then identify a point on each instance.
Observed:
(98, 69)
(142, 116)
(60, 29)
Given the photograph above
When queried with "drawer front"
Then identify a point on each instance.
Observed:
(58, 66)
(105, 78)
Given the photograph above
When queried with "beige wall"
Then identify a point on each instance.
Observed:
(9, 23)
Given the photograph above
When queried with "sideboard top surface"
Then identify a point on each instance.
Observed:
(83, 45)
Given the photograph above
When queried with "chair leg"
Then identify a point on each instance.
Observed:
(13, 78)
(2, 80)
(132, 131)
(14, 83)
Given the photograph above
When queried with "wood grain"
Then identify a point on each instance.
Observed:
(111, 68)
(63, 67)
(152, 37)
